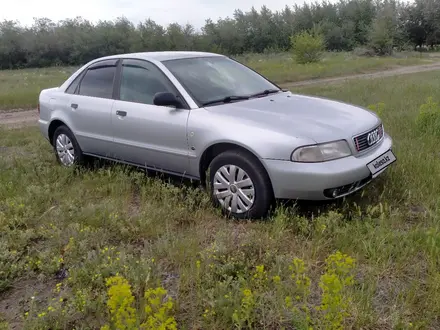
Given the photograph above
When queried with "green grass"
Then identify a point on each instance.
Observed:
(282, 68)
(19, 89)
(96, 223)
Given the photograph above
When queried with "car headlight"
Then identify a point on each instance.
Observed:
(321, 152)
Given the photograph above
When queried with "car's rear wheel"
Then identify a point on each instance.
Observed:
(240, 185)
(66, 148)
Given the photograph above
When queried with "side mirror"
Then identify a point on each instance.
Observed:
(166, 99)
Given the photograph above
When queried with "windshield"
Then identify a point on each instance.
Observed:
(208, 79)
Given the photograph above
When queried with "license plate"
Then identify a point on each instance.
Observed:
(381, 163)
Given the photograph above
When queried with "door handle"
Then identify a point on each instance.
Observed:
(74, 106)
(121, 113)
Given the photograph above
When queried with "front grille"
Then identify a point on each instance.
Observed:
(362, 142)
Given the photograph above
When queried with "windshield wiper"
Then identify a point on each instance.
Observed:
(227, 99)
(266, 92)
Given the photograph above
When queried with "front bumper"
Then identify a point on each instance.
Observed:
(317, 181)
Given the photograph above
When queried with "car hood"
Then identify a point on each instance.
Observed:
(303, 116)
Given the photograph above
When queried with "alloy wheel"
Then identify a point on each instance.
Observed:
(65, 150)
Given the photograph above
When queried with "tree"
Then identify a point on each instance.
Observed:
(344, 25)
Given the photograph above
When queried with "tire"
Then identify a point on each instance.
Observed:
(69, 147)
(234, 193)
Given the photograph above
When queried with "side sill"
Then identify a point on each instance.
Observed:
(155, 169)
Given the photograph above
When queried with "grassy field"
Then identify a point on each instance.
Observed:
(371, 262)
(20, 88)
(282, 68)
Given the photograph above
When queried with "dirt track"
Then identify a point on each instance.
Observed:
(380, 74)
(16, 118)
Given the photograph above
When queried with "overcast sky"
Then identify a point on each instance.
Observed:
(161, 11)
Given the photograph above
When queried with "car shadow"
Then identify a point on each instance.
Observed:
(94, 164)
(350, 206)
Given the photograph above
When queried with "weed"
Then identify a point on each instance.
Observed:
(334, 283)
(120, 303)
(159, 310)
(245, 315)
(300, 293)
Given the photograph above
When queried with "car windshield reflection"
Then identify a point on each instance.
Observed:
(209, 80)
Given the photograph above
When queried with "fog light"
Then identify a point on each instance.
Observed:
(335, 193)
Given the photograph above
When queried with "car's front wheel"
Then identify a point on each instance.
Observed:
(240, 185)
(66, 148)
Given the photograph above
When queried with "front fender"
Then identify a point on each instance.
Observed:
(206, 129)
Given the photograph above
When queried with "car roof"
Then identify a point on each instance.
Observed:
(163, 55)
(158, 56)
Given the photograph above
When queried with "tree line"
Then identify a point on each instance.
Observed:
(377, 25)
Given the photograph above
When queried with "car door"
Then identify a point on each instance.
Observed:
(89, 104)
(143, 133)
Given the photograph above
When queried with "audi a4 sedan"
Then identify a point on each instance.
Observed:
(208, 117)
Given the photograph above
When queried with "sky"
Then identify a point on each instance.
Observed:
(162, 12)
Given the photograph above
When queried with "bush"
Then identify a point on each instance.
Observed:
(307, 47)
(363, 51)
(377, 108)
(428, 119)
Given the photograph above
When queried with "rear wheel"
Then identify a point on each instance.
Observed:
(66, 148)
(240, 185)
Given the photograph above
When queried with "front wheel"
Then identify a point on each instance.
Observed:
(240, 185)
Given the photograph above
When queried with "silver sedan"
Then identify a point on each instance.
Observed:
(205, 116)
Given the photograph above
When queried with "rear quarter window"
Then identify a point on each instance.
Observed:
(73, 86)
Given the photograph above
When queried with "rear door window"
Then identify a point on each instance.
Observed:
(98, 81)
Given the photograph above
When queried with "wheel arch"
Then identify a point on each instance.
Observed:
(217, 148)
(54, 124)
